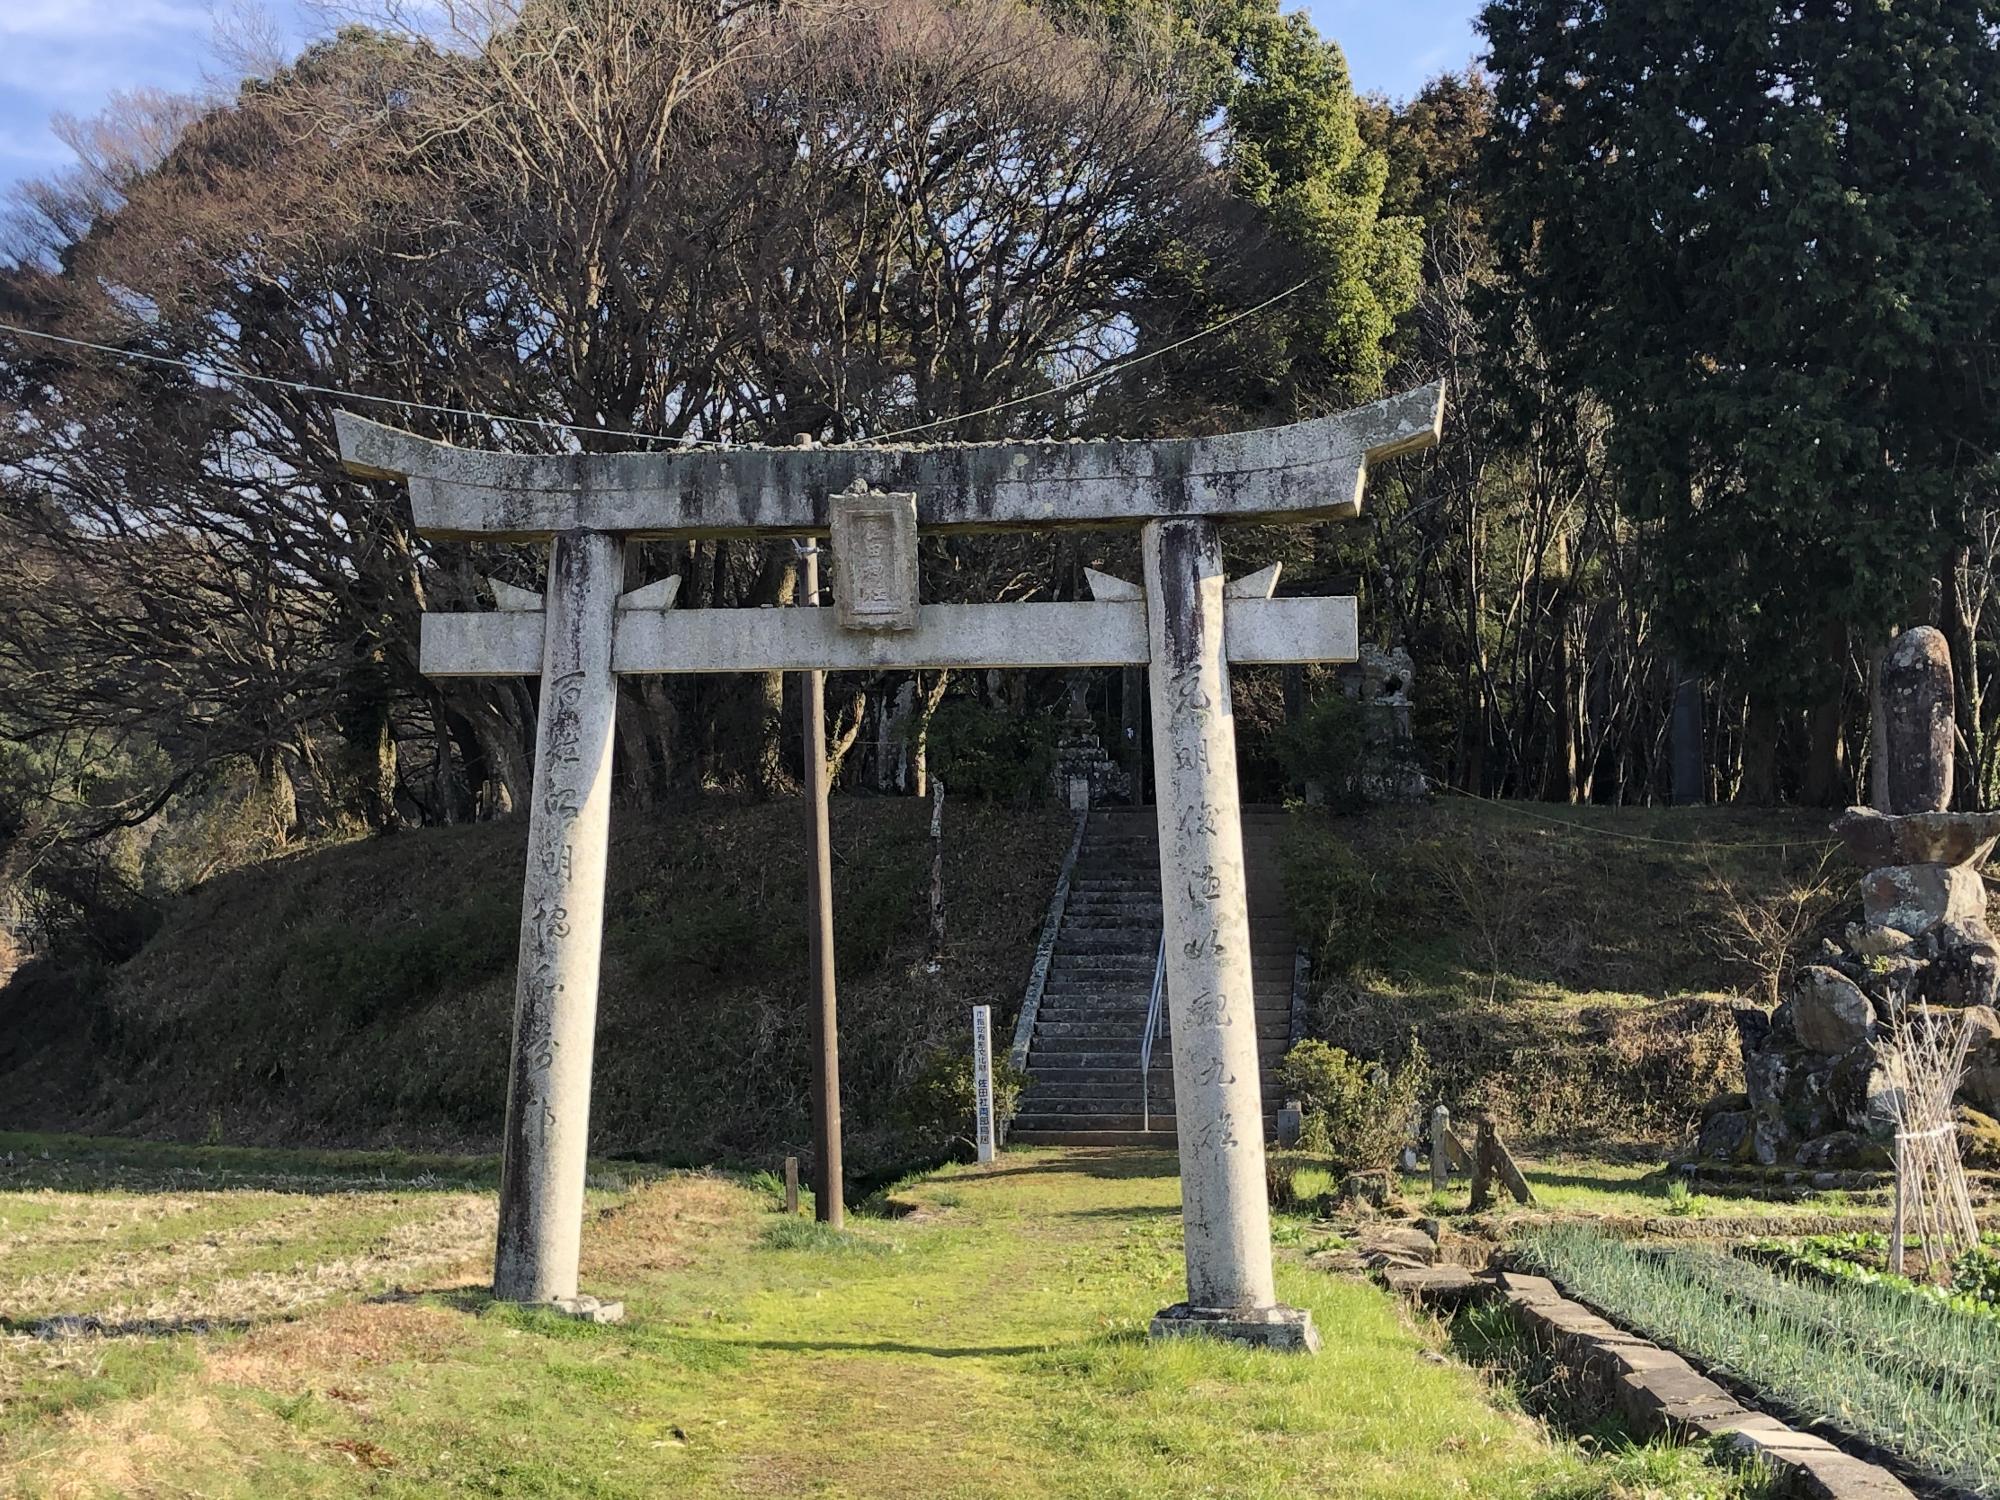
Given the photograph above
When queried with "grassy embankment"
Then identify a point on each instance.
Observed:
(1574, 979)
(363, 994)
(303, 1324)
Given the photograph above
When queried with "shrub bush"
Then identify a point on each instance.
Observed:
(1358, 1115)
(982, 752)
(935, 1108)
(1336, 903)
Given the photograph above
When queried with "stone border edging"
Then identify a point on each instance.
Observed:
(1045, 950)
(1658, 1392)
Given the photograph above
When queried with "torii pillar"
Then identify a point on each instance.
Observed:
(1218, 1103)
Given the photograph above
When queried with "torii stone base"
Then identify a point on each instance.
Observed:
(1279, 1327)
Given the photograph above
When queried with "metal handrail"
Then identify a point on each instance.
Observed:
(1146, 1041)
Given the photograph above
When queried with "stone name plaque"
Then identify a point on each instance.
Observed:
(874, 559)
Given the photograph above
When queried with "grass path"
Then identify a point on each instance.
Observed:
(989, 1343)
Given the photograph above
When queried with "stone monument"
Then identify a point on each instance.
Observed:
(1186, 624)
(1818, 1094)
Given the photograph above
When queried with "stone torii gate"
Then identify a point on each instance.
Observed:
(1186, 625)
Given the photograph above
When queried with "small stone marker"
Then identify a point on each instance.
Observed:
(982, 1078)
(588, 1309)
(792, 1186)
(1440, 1151)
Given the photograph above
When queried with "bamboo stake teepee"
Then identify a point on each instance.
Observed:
(1925, 1055)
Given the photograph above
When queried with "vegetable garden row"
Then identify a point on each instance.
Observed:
(1820, 1327)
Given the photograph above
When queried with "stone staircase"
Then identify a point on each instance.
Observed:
(1084, 1054)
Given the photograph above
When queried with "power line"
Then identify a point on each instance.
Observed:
(225, 372)
(1101, 374)
(198, 367)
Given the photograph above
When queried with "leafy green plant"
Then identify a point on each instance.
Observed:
(1683, 1202)
(935, 1108)
(1337, 905)
(1909, 1373)
(983, 752)
(1327, 745)
(1358, 1115)
(809, 1234)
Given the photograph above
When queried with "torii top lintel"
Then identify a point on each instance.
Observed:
(1306, 471)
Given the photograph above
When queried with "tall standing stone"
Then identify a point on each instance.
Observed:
(1918, 732)
(1217, 1098)
(562, 924)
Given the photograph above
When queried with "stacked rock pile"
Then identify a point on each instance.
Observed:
(1817, 1092)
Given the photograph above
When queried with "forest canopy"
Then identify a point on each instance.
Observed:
(1710, 285)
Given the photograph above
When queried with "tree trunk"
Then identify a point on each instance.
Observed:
(1759, 786)
(1956, 618)
(1689, 768)
(753, 745)
(1826, 760)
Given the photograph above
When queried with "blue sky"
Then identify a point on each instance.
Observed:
(72, 54)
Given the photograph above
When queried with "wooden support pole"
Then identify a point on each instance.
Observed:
(791, 1186)
(1490, 1161)
(936, 959)
(829, 1193)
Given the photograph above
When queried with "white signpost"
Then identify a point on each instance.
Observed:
(982, 1079)
(1186, 623)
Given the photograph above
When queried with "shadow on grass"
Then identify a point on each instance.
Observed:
(84, 1325)
(1111, 1163)
(1117, 1211)
(890, 1346)
(1652, 1185)
(87, 1164)
(31, 1161)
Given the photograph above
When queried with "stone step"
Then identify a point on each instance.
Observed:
(1110, 1099)
(1109, 940)
(1102, 962)
(1102, 1077)
(1103, 1130)
(1130, 1120)
(1121, 1053)
(1130, 1022)
(1270, 1028)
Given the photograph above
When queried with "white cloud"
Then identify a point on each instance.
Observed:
(68, 23)
(69, 56)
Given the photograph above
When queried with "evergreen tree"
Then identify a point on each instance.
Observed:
(1765, 235)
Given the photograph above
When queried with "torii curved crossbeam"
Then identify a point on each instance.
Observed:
(1303, 472)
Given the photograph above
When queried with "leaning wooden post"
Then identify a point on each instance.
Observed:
(1483, 1154)
(562, 923)
(1225, 1215)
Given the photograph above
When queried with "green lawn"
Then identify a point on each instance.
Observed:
(318, 1327)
